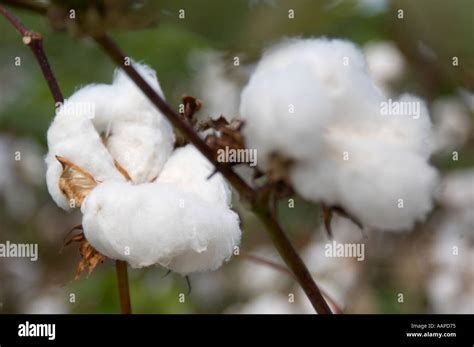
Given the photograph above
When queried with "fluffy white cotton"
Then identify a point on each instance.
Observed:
(214, 86)
(458, 191)
(189, 170)
(385, 63)
(159, 223)
(297, 88)
(171, 212)
(452, 124)
(314, 102)
(102, 123)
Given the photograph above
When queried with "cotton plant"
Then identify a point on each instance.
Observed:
(320, 123)
(111, 154)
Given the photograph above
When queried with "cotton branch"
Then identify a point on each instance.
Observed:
(35, 42)
(260, 205)
(33, 6)
(124, 291)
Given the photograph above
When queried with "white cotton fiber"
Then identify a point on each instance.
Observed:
(345, 149)
(385, 61)
(297, 88)
(171, 212)
(75, 138)
(189, 170)
(159, 223)
(136, 135)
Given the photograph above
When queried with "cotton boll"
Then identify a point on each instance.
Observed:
(452, 124)
(282, 118)
(344, 148)
(189, 170)
(126, 117)
(389, 198)
(75, 138)
(370, 184)
(314, 52)
(218, 91)
(159, 223)
(140, 149)
(386, 63)
(101, 124)
(148, 74)
(458, 192)
(412, 131)
(299, 87)
(337, 66)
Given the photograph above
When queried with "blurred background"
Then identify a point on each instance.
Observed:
(423, 47)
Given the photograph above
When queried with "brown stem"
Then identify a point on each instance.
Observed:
(35, 42)
(292, 260)
(282, 243)
(123, 287)
(111, 48)
(27, 5)
(259, 205)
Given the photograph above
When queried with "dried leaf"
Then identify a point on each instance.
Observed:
(216, 124)
(227, 136)
(75, 182)
(90, 257)
(191, 106)
(328, 214)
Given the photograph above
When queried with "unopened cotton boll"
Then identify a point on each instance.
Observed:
(100, 124)
(158, 223)
(344, 149)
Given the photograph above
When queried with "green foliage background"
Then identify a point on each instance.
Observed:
(237, 28)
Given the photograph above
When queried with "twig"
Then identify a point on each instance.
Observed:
(278, 267)
(123, 287)
(35, 42)
(259, 204)
(111, 48)
(33, 6)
